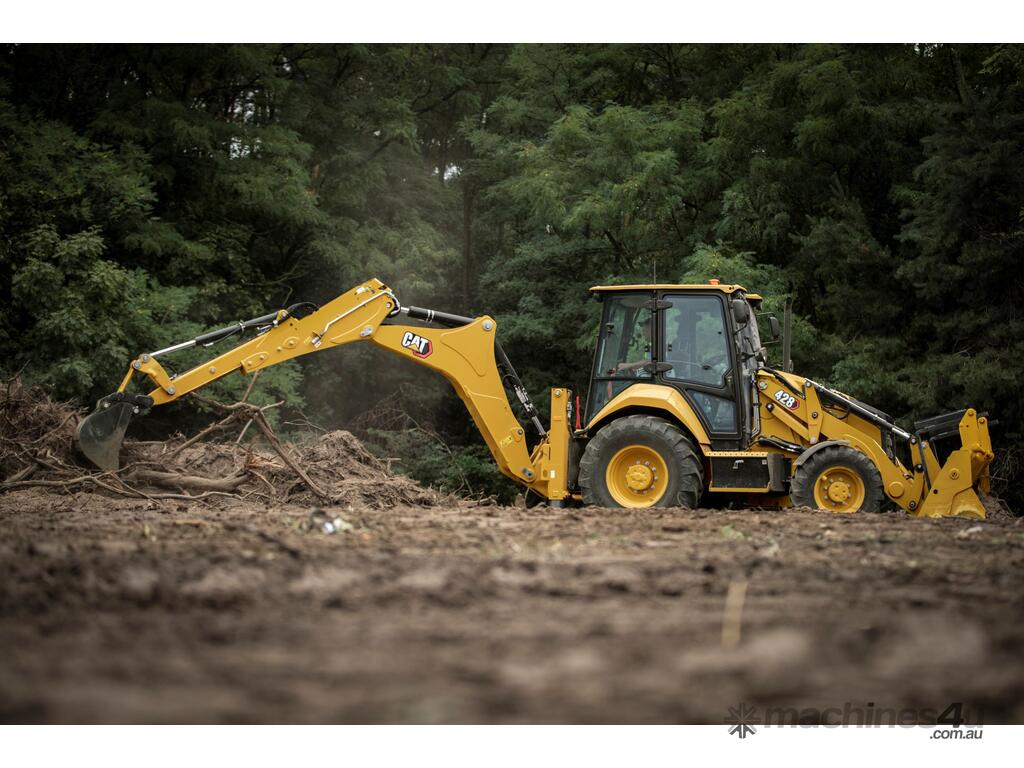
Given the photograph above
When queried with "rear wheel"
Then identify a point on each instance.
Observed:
(641, 461)
(838, 479)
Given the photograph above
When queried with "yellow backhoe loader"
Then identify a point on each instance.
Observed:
(683, 407)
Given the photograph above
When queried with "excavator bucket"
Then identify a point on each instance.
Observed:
(953, 486)
(100, 434)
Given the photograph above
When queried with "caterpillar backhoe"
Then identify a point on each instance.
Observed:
(682, 408)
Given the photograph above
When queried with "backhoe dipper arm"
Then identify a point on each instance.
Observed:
(465, 353)
(465, 356)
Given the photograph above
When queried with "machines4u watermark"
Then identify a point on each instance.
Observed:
(952, 721)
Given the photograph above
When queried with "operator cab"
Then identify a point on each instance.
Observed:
(702, 340)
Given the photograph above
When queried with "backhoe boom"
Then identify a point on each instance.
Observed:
(464, 351)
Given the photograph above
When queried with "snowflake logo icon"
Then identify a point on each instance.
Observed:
(742, 719)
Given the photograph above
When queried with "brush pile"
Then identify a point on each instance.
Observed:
(37, 449)
(36, 433)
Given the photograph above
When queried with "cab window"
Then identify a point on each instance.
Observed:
(696, 345)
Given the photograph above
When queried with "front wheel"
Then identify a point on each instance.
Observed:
(838, 479)
(641, 461)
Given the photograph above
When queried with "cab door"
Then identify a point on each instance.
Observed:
(699, 360)
(625, 348)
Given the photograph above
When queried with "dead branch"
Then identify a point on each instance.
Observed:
(261, 422)
(35, 459)
(252, 383)
(10, 486)
(117, 491)
(241, 412)
(203, 433)
(22, 474)
(264, 480)
(257, 416)
(178, 480)
(241, 434)
(68, 417)
(189, 497)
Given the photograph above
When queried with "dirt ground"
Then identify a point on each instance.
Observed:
(122, 610)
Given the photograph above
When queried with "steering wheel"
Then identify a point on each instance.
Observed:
(716, 360)
(698, 366)
(625, 372)
(713, 363)
(702, 369)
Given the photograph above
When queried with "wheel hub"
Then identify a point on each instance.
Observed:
(639, 477)
(839, 489)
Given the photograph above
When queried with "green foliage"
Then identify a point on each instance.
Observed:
(73, 314)
(610, 177)
(425, 457)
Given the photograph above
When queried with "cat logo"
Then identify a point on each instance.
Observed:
(420, 346)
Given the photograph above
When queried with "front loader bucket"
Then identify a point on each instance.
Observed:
(953, 486)
(100, 434)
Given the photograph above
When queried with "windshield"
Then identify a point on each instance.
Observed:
(696, 345)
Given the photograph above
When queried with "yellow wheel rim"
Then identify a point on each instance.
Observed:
(637, 476)
(839, 489)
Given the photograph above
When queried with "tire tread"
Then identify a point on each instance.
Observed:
(801, 490)
(684, 460)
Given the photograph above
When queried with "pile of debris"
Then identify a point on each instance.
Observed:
(37, 449)
(36, 433)
(333, 468)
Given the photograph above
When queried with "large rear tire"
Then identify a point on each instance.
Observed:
(838, 479)
(641, 461)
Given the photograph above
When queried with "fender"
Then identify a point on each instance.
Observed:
(814, 449)
(656, 397)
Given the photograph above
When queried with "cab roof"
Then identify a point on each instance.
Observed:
(731, 288)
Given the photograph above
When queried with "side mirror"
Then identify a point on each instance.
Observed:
(773, 325)
(740, 311)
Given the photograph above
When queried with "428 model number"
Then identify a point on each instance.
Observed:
(786, 399)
